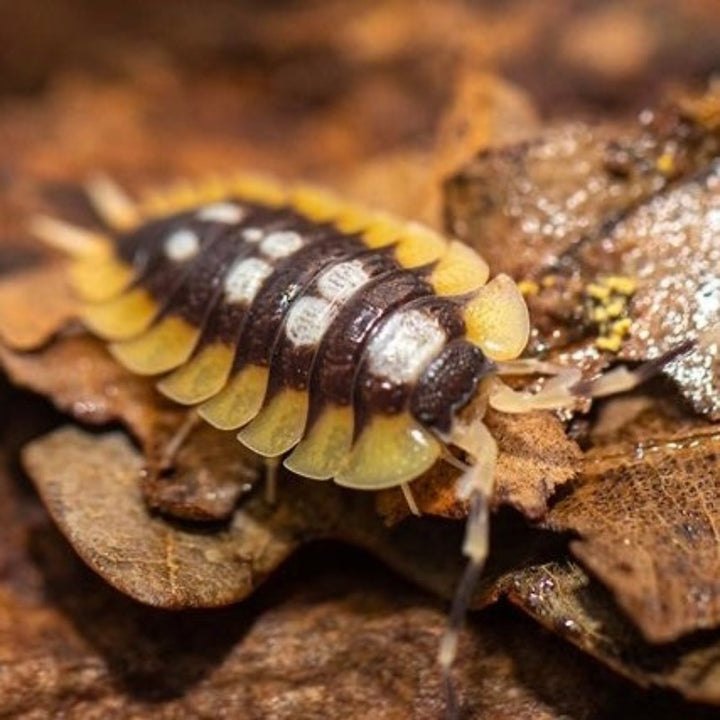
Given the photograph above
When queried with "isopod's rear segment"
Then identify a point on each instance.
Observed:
(344, 337)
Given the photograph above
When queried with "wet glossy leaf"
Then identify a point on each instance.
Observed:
(671, 246)
(546, 194)
(580, 205)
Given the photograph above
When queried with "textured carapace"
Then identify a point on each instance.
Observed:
(345, 339)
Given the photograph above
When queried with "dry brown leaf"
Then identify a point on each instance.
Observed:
(536, 459)
(34, 305)
(71, 645)
(81, 378)
(110, 654)
(647, 523)
(91, 487)
(143, 556)
(326, 641)
(204, 478)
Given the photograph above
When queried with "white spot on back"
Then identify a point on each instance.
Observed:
(252, 234)
(280, 243)
(308, 319)
(182, 245)
(340, 281)
(404, 345)
(310, 316)
(245, 278)
(221, 212)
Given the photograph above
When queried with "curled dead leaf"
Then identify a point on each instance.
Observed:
(647, 525)
(145, 557)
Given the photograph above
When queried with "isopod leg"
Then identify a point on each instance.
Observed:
(271, 473)
(410, 499)
(475, 486)
(69, 239)
(171, 449)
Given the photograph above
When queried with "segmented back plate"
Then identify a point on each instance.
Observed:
(307, 324)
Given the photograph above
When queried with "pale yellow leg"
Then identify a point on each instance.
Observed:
(170, 450)
(271, 471)
(70, 239)
(476, 486)
(410, 499)
(111, 202)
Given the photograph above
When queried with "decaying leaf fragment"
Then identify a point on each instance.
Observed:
(562, 597)
(113, 532)
(647, 524)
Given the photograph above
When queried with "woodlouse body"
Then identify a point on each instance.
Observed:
(360, 347)
(346, 338)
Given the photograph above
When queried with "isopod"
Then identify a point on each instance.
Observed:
(356, 346)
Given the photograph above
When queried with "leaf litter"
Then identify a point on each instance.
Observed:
(187, 494)
(581, 204)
